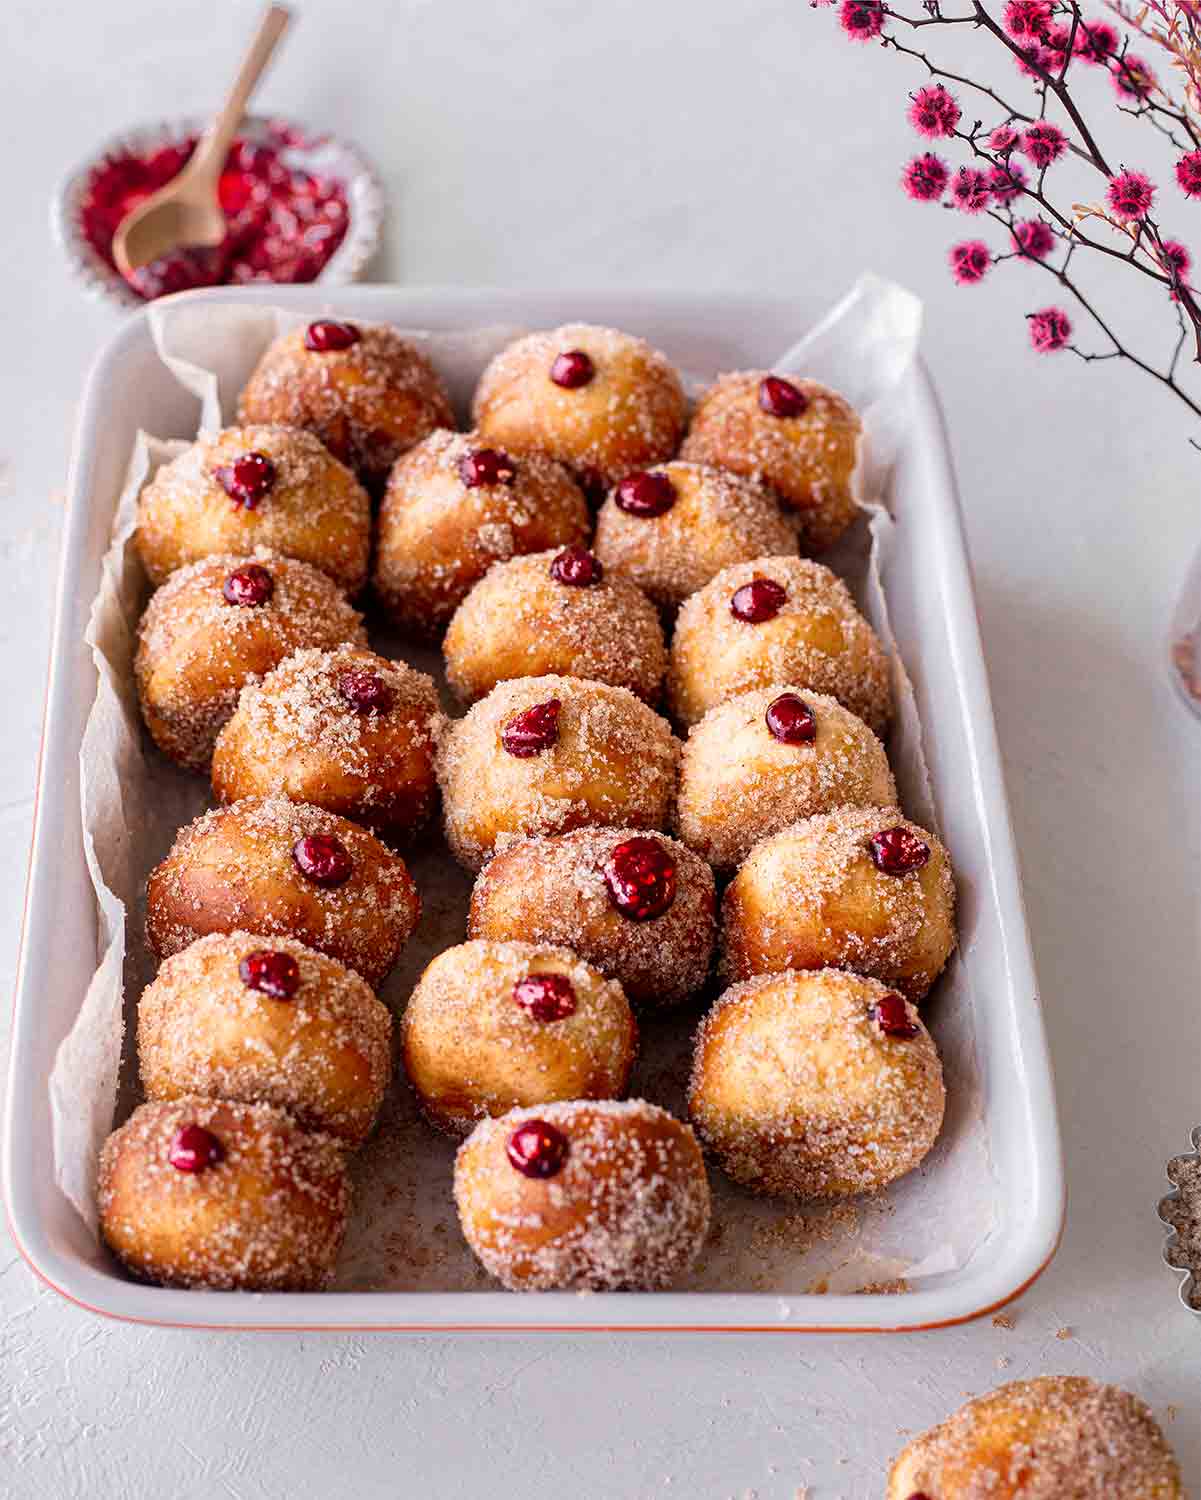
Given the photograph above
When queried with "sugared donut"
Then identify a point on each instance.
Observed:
(265, 1020)
(671, 528)
(1058, 1437)
(556, 613)
(639, 907)
(248, 487)
(768, 758)
(234, 1197)
(345, 730)
(600, 401)
(583, 1196)
(548, 754)
(796, 436)
(777, 619)
(454, 506)
(816, 1085)
(858, 888)
(495, 1026)
(218, 624)
(284, 869)
(365, 391)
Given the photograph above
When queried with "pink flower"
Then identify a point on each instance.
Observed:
(1026, 20)
(1188, 174)
(1044, 143)
(1050, 329)
(1034, 60)
(1131, 195)
(1096, 41)
(1056, 43)
(969, 261)
(1034, 238)
(934, 112)
(862, 20)
(925, 177)
(1004, 138)
(1007, 182)
(1132, 77)
(970, 190)
(1176, 258)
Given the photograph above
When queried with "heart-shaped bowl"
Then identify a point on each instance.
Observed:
(323, 157)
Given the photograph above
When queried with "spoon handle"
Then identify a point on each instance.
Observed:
(215, 143)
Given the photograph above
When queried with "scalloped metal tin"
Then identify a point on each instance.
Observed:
(1168, 1210)
(326, 155)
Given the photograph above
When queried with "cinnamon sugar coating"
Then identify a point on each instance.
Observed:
(233, 870)
(368, 404)
(438, 536)
(817, 638)
(297, 734)
(738, 783)
(808, 460)
(553, 890)
(811, 897)
(322, 1052)
(471, 1050)
(520, 621)
(270, 1216)
(612, 763)
(629, 1208)
(196, 650)
(718, 519)
(314, 509)
(631, 413)
(798, 1091)
(1058, 1437)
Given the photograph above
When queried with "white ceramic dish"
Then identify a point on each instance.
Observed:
(933, 616)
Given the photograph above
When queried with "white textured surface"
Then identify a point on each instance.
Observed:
(515, 141)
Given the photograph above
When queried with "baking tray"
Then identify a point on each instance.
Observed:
(932, 610)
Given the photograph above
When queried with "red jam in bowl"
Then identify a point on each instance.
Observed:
(283, 222)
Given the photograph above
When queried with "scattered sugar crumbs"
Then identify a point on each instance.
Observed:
(1004, 1320)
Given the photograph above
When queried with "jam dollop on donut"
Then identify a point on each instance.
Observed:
(548, 754)
(218, 624)
(647, 922)
(345, 730)
(714, 520)
(1051, 1438)
(595, 1196)
(602, 402)
(256, 486)
(286, 869)
(439, 533)
(235, 1197)
(796, 436)
(555, 614)
(777, 619)
(798, 1090)
(265, 1020)
(365, 391)
(813, 897)
(492, 1026)
(766, 759)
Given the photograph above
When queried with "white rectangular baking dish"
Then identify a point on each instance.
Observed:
(933, 615)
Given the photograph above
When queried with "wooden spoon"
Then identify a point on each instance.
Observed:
(186, 210)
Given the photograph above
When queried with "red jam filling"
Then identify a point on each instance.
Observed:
(641, 878)
(533, 730)
(282, 223)
(323, 858)
(896, 851)
(577, 567)
(537, 1149)
(892, 1017)
(195, 1148)
(546, 997)
(271, 973)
